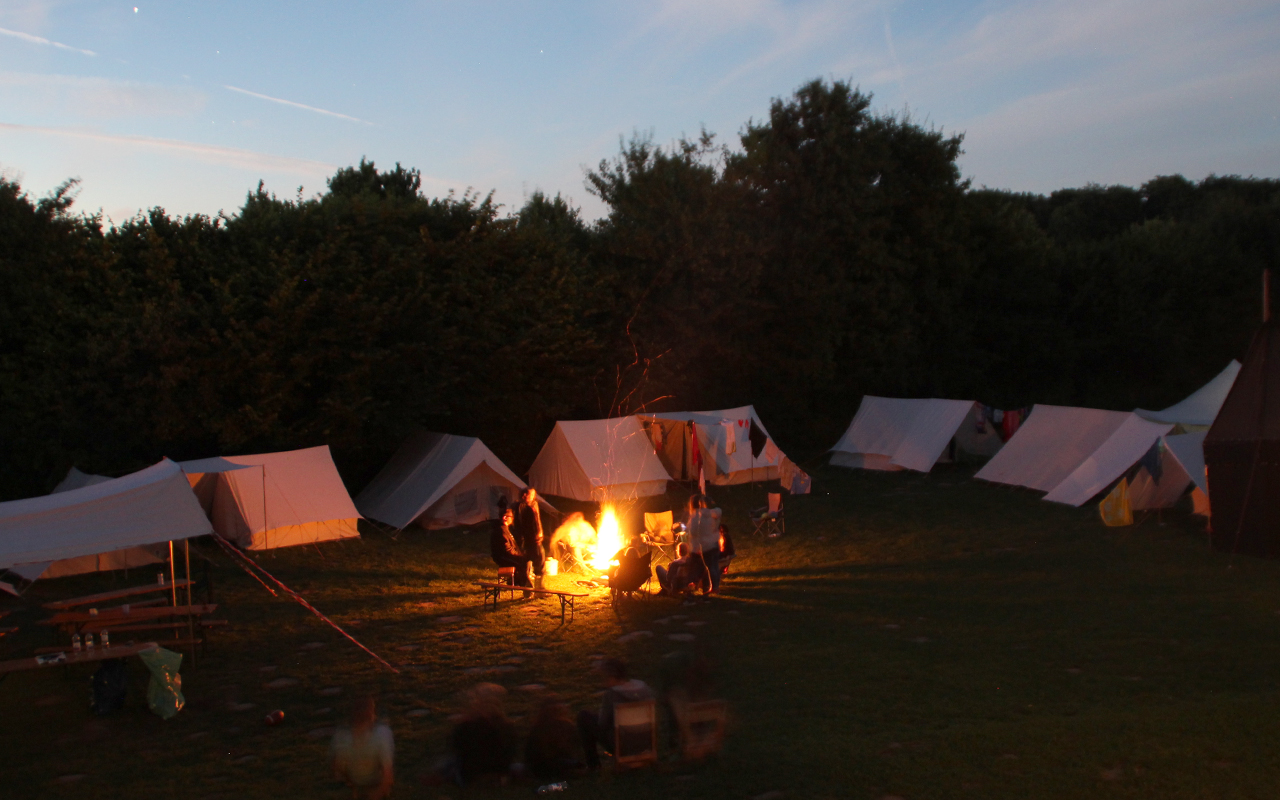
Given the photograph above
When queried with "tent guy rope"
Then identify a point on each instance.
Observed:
(248, 565)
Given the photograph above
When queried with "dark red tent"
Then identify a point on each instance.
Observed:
(1242, 454)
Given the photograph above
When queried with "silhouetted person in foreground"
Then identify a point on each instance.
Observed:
(552, 751)
(363, 754)
(596, 727)
(483, 741)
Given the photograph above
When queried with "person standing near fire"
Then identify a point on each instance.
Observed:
(704, 544)
(528, 529)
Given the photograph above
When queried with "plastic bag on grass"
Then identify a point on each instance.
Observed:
(164, 693)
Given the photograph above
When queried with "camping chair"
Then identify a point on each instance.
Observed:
(702, 728)
(769, 521)
(633, 571)
(658, 534)
(635, 734)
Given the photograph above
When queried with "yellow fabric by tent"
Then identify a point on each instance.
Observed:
(1115, 506)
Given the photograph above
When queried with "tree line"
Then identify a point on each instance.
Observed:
(835, 251)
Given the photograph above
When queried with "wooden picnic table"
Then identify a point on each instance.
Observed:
(72, 657)
(495, 590)
(117, 594)
(77, 620)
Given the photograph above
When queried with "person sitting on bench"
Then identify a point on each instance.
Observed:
(672, 579)
(596, 727)
(506, 550)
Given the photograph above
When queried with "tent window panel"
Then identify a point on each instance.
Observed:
(465, 503)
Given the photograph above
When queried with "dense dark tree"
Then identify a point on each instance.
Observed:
(836, 252)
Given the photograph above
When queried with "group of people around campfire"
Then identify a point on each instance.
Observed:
(516, 540)
(703, 560)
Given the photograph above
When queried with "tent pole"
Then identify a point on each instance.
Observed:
(264, 507)
(1266, 295)
(173, 575)
(191, 631)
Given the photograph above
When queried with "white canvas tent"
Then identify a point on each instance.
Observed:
(1126, 446)
(725, 435)
(274, 500)
(148, 507)
(78, 480)
(439, 481)
(1050, 445)
(1200, 408)
(598, 459)
(892, 433)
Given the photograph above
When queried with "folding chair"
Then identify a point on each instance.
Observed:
(507, 575)
(770, 521)
(658, 534)
(702, 727)
(635, 734)
(632, 572)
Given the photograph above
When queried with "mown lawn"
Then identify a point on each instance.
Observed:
(911, 636)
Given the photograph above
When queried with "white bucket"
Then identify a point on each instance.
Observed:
(551, 567)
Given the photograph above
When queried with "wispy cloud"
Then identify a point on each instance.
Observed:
(209, 153)
(297, 105)
(30, 39)
(102, 97)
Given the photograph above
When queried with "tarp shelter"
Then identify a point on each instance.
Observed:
(893, 433)
(274, 500)
(127, 558)
(1050, 445)
(1125, 447)
(1199, 409)
(1242, 454)
(723, 441)
(598, 459)
(148, 507)
(438, 480)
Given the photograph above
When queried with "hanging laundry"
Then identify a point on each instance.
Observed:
(1153, 461)
(1115, 508)
(730, 437)
(1009, 425)
(696, 458)
(758, 439)
(997, 416)
(771, 454)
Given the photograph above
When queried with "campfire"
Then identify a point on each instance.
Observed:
(591, 549)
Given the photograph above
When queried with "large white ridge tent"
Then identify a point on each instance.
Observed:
(597, 460)
(148, 507)
(274, 499)
(439, 480)
(892, 433)
(1072, 453)
(724, 435)
(1198, 410)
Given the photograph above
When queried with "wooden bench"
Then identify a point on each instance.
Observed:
(176, 625)
(71, 657)
(116, 594)
(113, 617)
(495, 590)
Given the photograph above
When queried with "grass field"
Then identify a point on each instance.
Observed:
(912, 636)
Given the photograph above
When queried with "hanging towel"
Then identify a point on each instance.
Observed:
(1009, 426)
(1153, 462)
(730, 437)
(1115, 508)
(758, 439)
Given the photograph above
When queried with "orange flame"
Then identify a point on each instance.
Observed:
(608, 538)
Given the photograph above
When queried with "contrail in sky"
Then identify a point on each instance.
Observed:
(296, 105)
(26, 37)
